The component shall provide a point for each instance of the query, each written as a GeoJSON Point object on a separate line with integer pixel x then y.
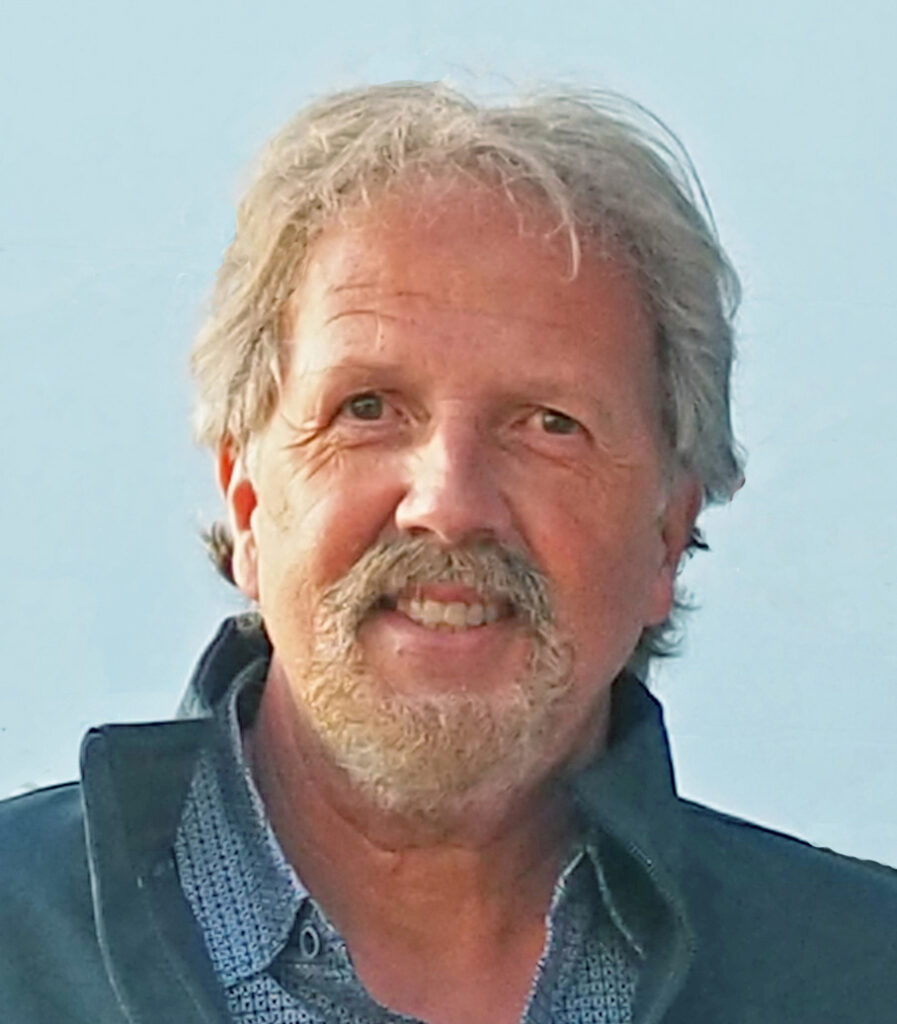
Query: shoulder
{"type": "Point", "coordinates": [752, 857]}
{"type": "Point", "coordinates": [42, 844]}
{"type": "Point", "coordinates": [800, 926]}
{"type": "Point", "coordinates": [50, 962]}
{"type": "Point", "coordinates": [48, 806]}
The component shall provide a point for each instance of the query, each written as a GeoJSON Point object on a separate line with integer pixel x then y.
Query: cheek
{"type": "Point", "coordinates": [312, 532]}
{"type": "Point", "coordinates": [602, 564]}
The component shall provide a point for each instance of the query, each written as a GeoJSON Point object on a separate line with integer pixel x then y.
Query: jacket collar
{"type": "Point", "coordinates": [628, 800]}
{"type": "Point", "coordinates": [240, 640]}
{"type": "Point", "coordinates": [134, 780]}
{"type": "Point", "coordinates": [629, 790]}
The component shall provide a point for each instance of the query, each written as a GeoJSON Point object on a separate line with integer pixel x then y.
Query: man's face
{"type": "Point", "coordinates": [451, 386]}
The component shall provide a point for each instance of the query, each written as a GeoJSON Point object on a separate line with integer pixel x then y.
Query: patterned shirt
{"type": "Point", "coordinates": [279, 959]}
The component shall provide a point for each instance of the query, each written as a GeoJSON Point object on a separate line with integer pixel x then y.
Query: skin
{"type": "Point", "coordinates": [449, 379]}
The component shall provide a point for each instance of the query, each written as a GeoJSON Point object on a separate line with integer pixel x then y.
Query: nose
{"type": "Point", "coordinates": [452, 491]}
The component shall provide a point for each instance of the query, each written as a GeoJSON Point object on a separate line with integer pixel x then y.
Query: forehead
{"type": "Point", "coordinates": [444, 263]}
{"type": "Point", "coordinates": [462, 225]}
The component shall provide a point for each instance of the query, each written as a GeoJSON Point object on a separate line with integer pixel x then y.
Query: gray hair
{"type": "Point", "coordinates": [602, 164]}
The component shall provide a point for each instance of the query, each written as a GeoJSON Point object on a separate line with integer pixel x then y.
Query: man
{"type": "Point", "coordinates": [466, 376]}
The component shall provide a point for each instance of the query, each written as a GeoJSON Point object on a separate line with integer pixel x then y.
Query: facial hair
{"type": "Point", "coordinates": [423, 755]}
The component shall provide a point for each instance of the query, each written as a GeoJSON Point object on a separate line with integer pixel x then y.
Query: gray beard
{"type": "Point", "coordinates": [426, 756]}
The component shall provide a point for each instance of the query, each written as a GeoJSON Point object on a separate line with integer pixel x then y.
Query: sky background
{"type": "Point", "coordinates": [125, 134]}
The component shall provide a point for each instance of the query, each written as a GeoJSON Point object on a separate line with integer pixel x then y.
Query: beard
{"type": "Point", "coordinates": [426, 756]}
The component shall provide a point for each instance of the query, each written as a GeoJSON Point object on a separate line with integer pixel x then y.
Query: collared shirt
{"type": "Point", "coordinates": [280, 960]}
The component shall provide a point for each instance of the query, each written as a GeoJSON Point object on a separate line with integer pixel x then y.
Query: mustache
{"type": "Point", "coordinates": [493, 569]}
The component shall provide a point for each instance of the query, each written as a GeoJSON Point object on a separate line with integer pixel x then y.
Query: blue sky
{"type": "Point", "coordinates": [127, 130]}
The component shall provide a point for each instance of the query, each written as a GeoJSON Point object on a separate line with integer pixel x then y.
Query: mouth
{"type": "Point", "coordinates": [435, 608]}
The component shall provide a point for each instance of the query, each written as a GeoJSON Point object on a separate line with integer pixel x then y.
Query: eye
{"type": "Point", "coordinates": [367, 406]}
{"type": "Point", "coordinates": [554, 422]}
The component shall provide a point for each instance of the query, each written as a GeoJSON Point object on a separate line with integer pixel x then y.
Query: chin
{"type": "Point", "coordinates": [430, 755]}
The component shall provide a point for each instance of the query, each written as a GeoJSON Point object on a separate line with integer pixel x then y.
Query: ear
{"type": "Point", "coordinates": [676, 523]}
{"type": "Point", "coordinates": [240, 497]}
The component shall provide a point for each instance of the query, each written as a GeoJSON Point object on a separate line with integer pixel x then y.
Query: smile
{"type": "Point", "coordinates": [452, 615]}
{"type": "Point", "coordinates": [455, 614]}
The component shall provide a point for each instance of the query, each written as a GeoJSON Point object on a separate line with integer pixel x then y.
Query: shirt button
{"type": "Point", "coordinates": [309, 942]}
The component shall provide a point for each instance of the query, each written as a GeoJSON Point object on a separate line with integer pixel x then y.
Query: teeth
{"type": "Point", "coordinates": [454, 614]}
{"type": "Point", "coordinates": [431, 612]}
{"type": "Point", "coordinates": [475, 615]}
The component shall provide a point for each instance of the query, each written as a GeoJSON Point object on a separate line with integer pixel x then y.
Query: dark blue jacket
{"type": "Point", "coordinates": [739, 925]}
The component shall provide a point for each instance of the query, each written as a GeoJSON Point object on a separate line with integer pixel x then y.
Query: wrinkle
{"type": "Point", "coordinates": [479, 312]}
{"type": "Point", "coordinates": [317, 449]}
{"type": "Point", "coordinates": [440, 305]}
{"type": "Point", "coordinates": [361, 311]}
